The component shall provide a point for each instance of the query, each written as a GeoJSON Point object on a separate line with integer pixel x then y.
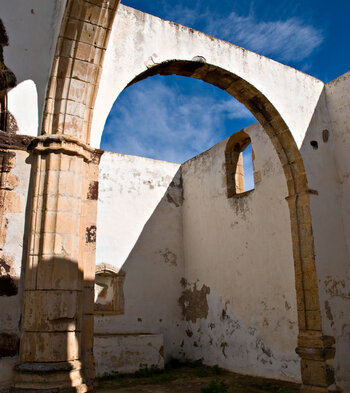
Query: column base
{"type": "Point", "coordinates": [60, 377]}
{"type": "Point", "coordinates": [316, 352]}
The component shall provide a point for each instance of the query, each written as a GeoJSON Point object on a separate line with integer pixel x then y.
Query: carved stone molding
{"type": "Point", "coordinates": [60, 143]}
{"type": "Point", "coordinates": [14, 141]}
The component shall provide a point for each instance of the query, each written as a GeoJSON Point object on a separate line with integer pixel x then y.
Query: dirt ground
{"type": "Point", "coordinates": [192, 378]}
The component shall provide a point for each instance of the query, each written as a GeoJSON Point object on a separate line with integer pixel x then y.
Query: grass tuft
{"type": "Point", "coordinates": [215, 386]}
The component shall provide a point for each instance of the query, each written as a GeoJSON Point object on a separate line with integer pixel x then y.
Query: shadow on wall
{"type": "Point", "coordinates": [151, 264]}
{"type": "Point", "coordinates": [55, 349]}
{"type": "Point", "coordinates": [53, 329]}
{"type": "Point", "coordinates": [9, 341]}
{"type": "Point", "coordinates": [147, 290]}
{"type": "Point", "coordinates": [194, 317]}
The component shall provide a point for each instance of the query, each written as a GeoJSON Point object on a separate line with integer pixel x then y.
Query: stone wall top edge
{"type": "Point", "coordinates": [338, 79]}
{"type": "Point", "coordinates": [133, 156]}
{"type": "Point", "coordinates": [224, 141]}
{"type": "Point", "coordinates": [178, 26]}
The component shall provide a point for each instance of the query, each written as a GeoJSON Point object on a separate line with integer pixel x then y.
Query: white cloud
{"type": "Point", "coordinates": [287, 40]}
{"type": "Point", "coordinates": [182, 14]}
{"type": "Point", "coordinates": [154, 119]}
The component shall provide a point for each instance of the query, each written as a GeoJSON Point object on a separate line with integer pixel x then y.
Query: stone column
{"type": "Point", "coordinates": [51, 344]}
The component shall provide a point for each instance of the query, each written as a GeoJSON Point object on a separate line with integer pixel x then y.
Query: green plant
{"type": "Point", "coordinates": [147, 372]}
{"type": "Point", "coordinates": [202, 371]}
{"type": "Point", "coordinates": [216, 370]}
{"type": "Point", "coordinates": [173, 364]}
{"type": "Point", "coordinates": [215, 386]}
{"type": "Point", "coordinates": [113, 376]}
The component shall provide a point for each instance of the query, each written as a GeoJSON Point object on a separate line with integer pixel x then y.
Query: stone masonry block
{"type": "Point", "coordinates": [67, 223]}
{"type": "Point", "coordinates": [50, 346]}
{"type": "Point", "coordinates": [58, 273]}
{"type": "Point", "coordinates": [313, 320]}
{"type": "Point", "coordinates": [311, 299]}
{"type": "Point", "coordinates": [314, 372]}
{"type": "Point", "coordinates": [88, 299]}
{"type": "Point", "coordinates": [52, 311]}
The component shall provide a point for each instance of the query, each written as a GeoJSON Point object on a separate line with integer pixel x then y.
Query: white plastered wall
{"type": "Point", "coordinates": [241, 249]}
{"type": "Point", "coordinates": [139, 230]}
{"type": "Point", "coordinates": [335, 278]}
{"type": "Point", "coordinates": [32, 27]}
{"type": "Point", "coordinates": [11, 258]}
{"type": "Point", "coordinates": [139, 41]}
{"type": "Point", "coordinates": [251, 324]}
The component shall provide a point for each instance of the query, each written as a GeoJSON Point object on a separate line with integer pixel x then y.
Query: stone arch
{"type": "Point", "coordinates": [77, 66]}
{"type": "Point", "coordinates": [310, 339]}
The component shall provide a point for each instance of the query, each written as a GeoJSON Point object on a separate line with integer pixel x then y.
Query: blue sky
{"type": "Point", "coordinates": [174, 118]}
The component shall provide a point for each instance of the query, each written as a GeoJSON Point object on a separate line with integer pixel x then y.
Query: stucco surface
{"type": "Point", "coordinates": [140, 231]}
{"type": "Point", "coordinates": [240, 248]}
{"type": "Point", "coordinates": [335, 281]}
{"type": "Point", "coordinates": [32, 27]}
{"type": "Point", "coordinates": [11, 260]}
{"type": "Point", "coordinates": [127, 353]}
{"type": "Point", "coordinates": [130, 189]}
{"type": "Point", "coordinates": [231, 301]}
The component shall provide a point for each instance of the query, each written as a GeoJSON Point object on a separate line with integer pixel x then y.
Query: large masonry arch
{"type": "Point", "coordinates": [306, 281]}
{"type": "Point", "coordinates": [260, 84]}
{"type": "Point", "coordinates": [141, 46]}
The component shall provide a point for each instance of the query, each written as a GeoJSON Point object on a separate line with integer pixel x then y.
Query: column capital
{"type": "Point", "coordinates": [315, 346]}
{"type": "Point", "coordinates": [59, 143]}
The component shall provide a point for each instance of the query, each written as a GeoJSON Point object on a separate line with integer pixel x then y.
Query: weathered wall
{"type": "Point", "coordinates": [308, 109]}
{"type": "Point", "coordinates": [32, 27]}
{"type": "Point", "coordinates": [13, 195]}
{"type": "Point", "coordinates": [126, 353]}
{"type": "Point", "coordinates": [140, 231]}
{"type": "Point", "coordinates": [335, 279]}
{"type": "Point", "coordinates": [239, 270]}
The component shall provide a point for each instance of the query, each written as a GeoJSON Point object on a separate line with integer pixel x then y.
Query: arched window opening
{"type": "Point", "coordinates": [109, 293]}
{"type": "Point", "coordinates": [239, 164]}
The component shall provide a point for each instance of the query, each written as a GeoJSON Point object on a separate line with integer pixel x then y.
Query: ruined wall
{"type": "Point", "coordinates": [32, 27]}
{"type": "Point", "coordinates": [239, 297]}
{"type": "Point", "coordinates": [335, 281]}
{"type": "Point", "coordinates": [325, 151]}
{"type": "Point", "coordinates": [139, 231]}
{"type": "Point", "coordinates": [14, 183]}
